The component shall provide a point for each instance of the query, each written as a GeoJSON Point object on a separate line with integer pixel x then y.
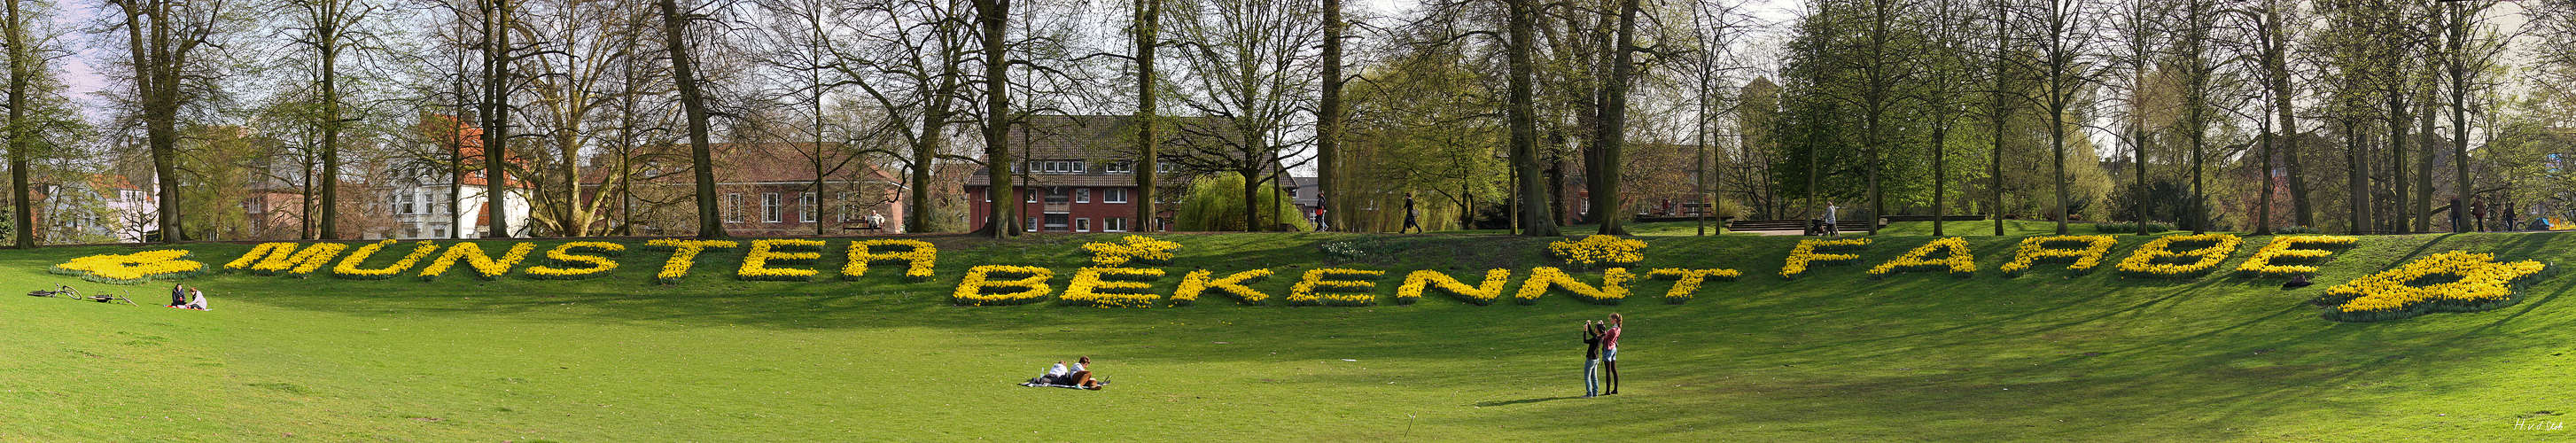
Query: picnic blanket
{"type": "Point", "coordinates": [1048, 385]}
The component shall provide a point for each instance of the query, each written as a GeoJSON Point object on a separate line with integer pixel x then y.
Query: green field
{"type": "Point", "coordinates": [1833, 356]}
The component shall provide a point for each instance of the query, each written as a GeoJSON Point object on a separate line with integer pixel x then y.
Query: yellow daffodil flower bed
{"type": "Point", "coordinates": [484, 265]}
{"type": "Point", "coordinates": [568, 262]}
{"type": "Point", "coordinates": [1614, 286]}
{"type": "Point", "coordinates": [1481, 294]}
{"type": "Point", "coordinates": [996, 285]}
{"type": "Point", "coordinates": [1599, 250]}
{"type": "Point", "coordinates": [2158, 259]}
{"type": "Point", "coordinates": [918, 257]}
{"type": "Point", "coordinates": [1334, 287]}
{"type": "Point", "coordinates": [2302, 252]}
{"type": "Point", "coordinates": [2081, 253]}
{"type": "Point", "coordinates": [1113, 287]}
{"type": "Point", "coordinates": [135, 268]}
{"type": "Point", "coordinates": [2476, 282]}
{"type": "Point", "coordinates": [1810, 252]}
{"type": "Point", "coordinates": [1232, 285]}
{"type": "Point", "coordinates": [684, 254]}
{"type": "Point", "coordinates": [287, 258]}
{"type": "Point", "coordinates": [1136, 248]}
{"type": "Point", "coordinates": [786, 252]}
{"type": "Point", "coordinates": [1686, 281]}
{"type": "Point", "coordinates": [1955, 258]}
{"type": "Point", "coordinates": [352, 267]}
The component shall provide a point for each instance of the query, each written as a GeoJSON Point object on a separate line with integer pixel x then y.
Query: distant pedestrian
{"type": "Point", "coordinates": [1412, 220]}
{"type": "Point", "coordinates": [1833, 215]}
{"type": "Point", "coordinates": [2478, 210]}
{"type": "Point", "coordinates": [2459, 216]}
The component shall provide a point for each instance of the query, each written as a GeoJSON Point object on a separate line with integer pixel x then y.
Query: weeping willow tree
{"type": "Point", "coordinates": [1215, 203]}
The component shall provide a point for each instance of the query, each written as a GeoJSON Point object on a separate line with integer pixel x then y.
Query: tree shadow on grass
{"type": "Point", "coordinates": [1488, 404]}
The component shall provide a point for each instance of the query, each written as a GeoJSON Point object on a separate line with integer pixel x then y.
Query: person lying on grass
{"type": "Point", "coordinates": [1053, 376]}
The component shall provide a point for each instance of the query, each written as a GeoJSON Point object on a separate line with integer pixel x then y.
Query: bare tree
{"type": "Point", "coordinates": [693, 104]}
{"type": "Point", "coordinates": [163, 38]}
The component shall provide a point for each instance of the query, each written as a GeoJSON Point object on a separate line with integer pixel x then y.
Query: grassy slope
{"type": "Point", "coordinates": [1833, 356]}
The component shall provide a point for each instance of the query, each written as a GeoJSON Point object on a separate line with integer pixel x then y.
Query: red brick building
{"type": "Point", "coordinates": [1077, 174]}
{"type": "Point", "coordinates": [767, 190]}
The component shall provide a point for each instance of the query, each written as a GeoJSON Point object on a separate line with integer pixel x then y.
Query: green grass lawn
{"type": "Point", "coordinates": [1833, 356]}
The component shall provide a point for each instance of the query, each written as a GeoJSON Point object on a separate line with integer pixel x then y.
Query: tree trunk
{"type": "Point", "coordinates": [2459, 27]}
{"type": "Point", "coordinates": [993, 16]}
{"type": "Point", "coordinates": [327, 40]}
{"type": "Point", "coordinates": [1522, 116]}
{"type": "Point", "coordinates": [1148, 18]}
{"type": "Point", "coordinates": [2397, 122]}
{"type": "Point", "coordinates": [1328, 115]}
{"type": "Point", "coordinates": [2356, 187]}
{"type": "Point", "coordinates": [693, 106]}
{"type": "Point", "coordinates": [23, 218]}
{"type": "Point", "coordinates": [1614, 126]}
{"type": "Point", "coordinates": [2275, 61]}
{"type": "Point", "coordinates": [496, 127]}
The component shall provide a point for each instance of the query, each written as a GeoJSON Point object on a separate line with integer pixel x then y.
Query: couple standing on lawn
{"type": "Point", "coordinates": [1601, 354]}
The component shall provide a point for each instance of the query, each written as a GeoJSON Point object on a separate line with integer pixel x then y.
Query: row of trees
{"type": "Point", "coordinates": [2208, 108]}
{"type": "Point", "coordinates": [1526, 114]}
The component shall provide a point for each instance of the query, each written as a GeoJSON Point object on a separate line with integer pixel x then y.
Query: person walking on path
{"type": "Point", "coordinates": [1592, 331]}
{"type": "Point", "coordinates": [1411, 217]}
{"type": "Point", "coordinates": [1610, 355]}
{"type": "Point", "coordinates": [1833, 227]}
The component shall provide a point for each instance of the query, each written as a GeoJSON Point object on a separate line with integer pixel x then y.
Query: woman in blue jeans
{"type": "Point", "coordinates": [1592, 332]}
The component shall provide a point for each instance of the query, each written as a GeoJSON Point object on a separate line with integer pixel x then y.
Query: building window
{"type": "Point", "coordinates": [805, 207]}
{"type": "Point", "coordinates": [769, 207]}
{"type": "Point", "coordinates": [438, 232]}
{"type": "Point", "coordinates": [1113, 224]}
{"type": "Point", "coordinates": [1119, 167]}
{"type": "Point", "coordinates": [1055, 195]}
{"type": "Point", "coordinates": [988, 195]}
{"type": "Point", "coordinates": [733, 208]}
{"type": "Point", "coordinates": [1082, 195]}
{"type": "Point", "coordinates": [1078, 165]}
{"type": "Point", "coordinates": [1031, 196]}
{"type": "Point", "coordinates": [1033, 224]}
{"type": "Point", "coordinates": [1113, 195]}
{"type": "Point", "coordinates": [1082, 225]}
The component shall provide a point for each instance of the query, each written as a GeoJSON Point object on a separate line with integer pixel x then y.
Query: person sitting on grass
{"type": "Point", "coordinates": [178, 296]}
{"type": "Point", "coordinates": [1081, 376]}
{"type": "Point", "coordinates": [197, 300]}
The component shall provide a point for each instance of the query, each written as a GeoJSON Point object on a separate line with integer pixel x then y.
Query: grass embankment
{"type": "Point", "coordinates": [1833, 356]}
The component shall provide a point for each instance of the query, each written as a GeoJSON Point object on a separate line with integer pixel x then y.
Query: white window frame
{"type": "Point", "coordinates": [1113, 195]}
{"type": "Point", "coordinates": [1081, 195]}
{"type": "Point", "coordinates": [1082, 224]}
{"type": "Point", "coordinates": [769, 207]}
{"type": "Point", "coordinates": [1032, 226]}
{"type": "Point", "coordinates": [733, 208]}
{"type": "Point", "coordinates": [1113, 224]}
{"type": "Point", "coordinates": [806, 205]}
